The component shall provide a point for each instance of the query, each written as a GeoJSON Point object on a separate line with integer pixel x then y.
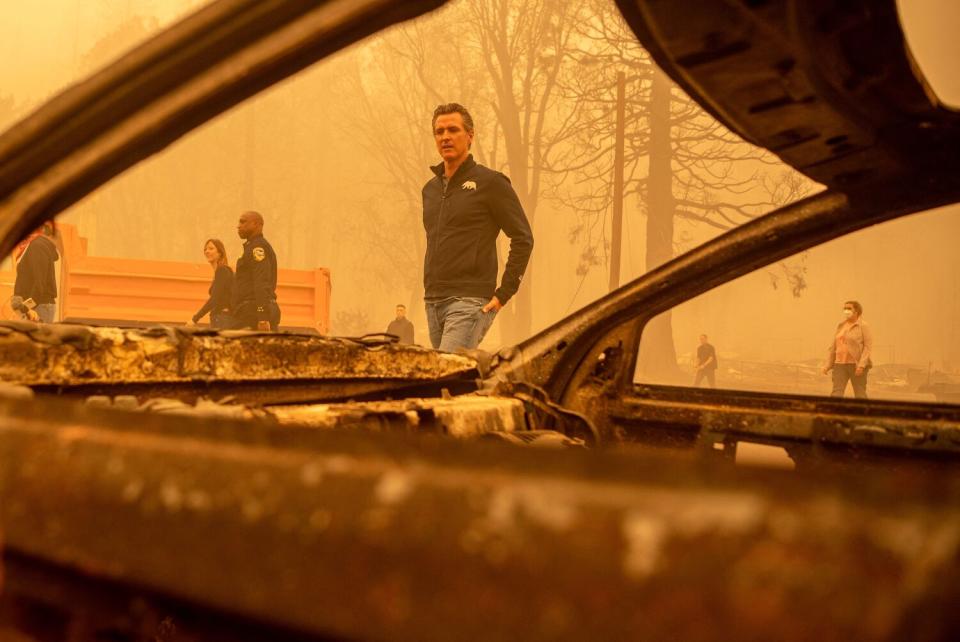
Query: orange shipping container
{"type": "Point", "coordinates": [119, 291]}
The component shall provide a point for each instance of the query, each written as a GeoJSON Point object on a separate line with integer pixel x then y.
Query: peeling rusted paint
{"type": "Point", "coordinates": [463, 416]}
{"type": "Point", "coordinates": [375, 538]}
{"type": "Point", "coordinates": [686, 417]}
{"type": "Point", "coordinates": [371, 538]}
{"type": "Point", "coordinates": [74, 355]}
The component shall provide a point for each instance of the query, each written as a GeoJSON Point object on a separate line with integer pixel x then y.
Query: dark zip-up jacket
{"type": "Point", "coordinates": [221, 293]}
{"type": "Point", "coordinates": [36, 277]}
{"type": "Point", "coordinates": [402, 328]}
{"type": "Point", "coordinates": [256, 277]}
{"type": "Point", "coordinates": [462, 225]}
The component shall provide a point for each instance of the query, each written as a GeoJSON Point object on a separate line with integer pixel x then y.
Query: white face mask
{"type": "Point", "coordinates": [847, 313]}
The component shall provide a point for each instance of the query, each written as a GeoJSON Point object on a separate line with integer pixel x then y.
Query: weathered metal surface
{"type": "Point", "coordinates": [828, 85]}
{"type": "Point", "coordinates": [377, 537]}
{"type": "Point", "coordinates": [260, 393]}
{"type": "Point", "coordinates": [682, 417]}
{"type": "Point", "coordinates": [77, 355]}
{"type": "Point", "coordinates": [382, 537]}
{"type": "Point", "coordinates": [510, 420]}
{"type": "Point", "coordinates": [163, 405]}
{"type": "Point", "coordinates": [463, 416]}
{"type": "Point", "coordinates": [908, 166]}
{"type": "Point", "coordinates": [590, 357]}
{"type": "Point", "coordinates": [42, 602]}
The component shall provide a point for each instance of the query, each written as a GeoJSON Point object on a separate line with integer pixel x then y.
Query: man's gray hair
{"type": "Point", "coordinates": [453, 108]}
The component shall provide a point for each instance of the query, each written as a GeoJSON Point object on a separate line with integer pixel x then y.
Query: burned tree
{"type": "Point", "coordinates": [679, 164]}
{"type": "Point", "coordinates": [505, 67]}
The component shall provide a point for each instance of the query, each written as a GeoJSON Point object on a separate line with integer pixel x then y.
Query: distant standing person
{"type": "Point", "coordinates": [255, 292]}
{"type": "Point", "coordinates": [221, 290]}
{"type": "Point", "coordinates": [35, 289]}
{"type": "Point", "coordinates": [706, 363]}
{"type": "Point", "coordinates": [465, 206]}
{"type": "Point", "coordinates": [849, 352]}
{"type": "Point", "coordinates": [401, 326]}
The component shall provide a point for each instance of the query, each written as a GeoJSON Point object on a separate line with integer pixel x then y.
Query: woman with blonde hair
{"type": "Point", "coordinates": [221, 290]}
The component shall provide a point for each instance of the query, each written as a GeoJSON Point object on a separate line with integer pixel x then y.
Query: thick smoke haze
{"type": "Point", "coordinates": [335, 157]}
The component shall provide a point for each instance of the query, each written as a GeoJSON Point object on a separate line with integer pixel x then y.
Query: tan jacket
{"type": "Point", "coordinates": [859, 341]}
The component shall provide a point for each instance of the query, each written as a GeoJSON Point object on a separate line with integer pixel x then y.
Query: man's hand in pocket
{"type": "Point", "coordinates": [494, 304]}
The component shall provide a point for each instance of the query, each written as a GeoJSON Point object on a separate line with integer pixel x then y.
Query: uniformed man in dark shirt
{"type": "Point", "coordinates": [255, 295]}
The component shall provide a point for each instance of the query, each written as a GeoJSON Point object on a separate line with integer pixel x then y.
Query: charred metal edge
{"type": "Point", "coordinates": [830, 87]}
{"type": "Point", "coordinates": [565, 352]}
{"type": "Point", "coordinates": [200, 67]}
{"type": "Point", "coordinates": [911, 431]}
{"type": "Point", "coordinates": [91, 608]}
{"type": "Point", "coordinates": [357, 535]}
{"type": "Point", "coordinates": [271, 392]}
{"type": "Point", "coordinates": [55, 355]}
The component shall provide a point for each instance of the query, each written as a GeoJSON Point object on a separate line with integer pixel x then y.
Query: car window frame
{"type": "Point", "coordinates": [208, 62]}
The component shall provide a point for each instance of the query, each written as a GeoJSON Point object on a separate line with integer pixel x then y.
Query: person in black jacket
{"type": "Point", "coordinates": [221, 290]}
{"type": "Point", "coordinates": [255, 293]}
{"type": "Point", "coordinates": [401, 326]}
{"type": "Point", "coordinates": [465, 207]}
{"type": "Point", "coordinates": [706, 366]}
{"type": "Point", "coordinates": [35, 290]}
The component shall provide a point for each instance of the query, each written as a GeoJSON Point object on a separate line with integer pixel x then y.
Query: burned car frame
{"type": "Point", "coordinates": [256, 524]}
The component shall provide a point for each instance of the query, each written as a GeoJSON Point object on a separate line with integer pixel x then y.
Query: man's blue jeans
{"type": "Point", "coordinates": [46, 312]}
{"type": "Point", "coordinates": [458, 322]}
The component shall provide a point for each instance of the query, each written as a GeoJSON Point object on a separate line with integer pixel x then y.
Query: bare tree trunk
{"type": "Point", "coordinates": [658, 357]}
{"type": "Point", "coordinates": [516, 319]}
{"type": "Point", "coordinates": [616, 228]}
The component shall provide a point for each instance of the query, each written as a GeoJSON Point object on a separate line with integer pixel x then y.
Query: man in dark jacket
{"type": "Point", "coordinates": [255, 294]}
{"type": "Point", "coordinates": [465, 207]}
{"type": "Point", "coordinates": [35, 290]}
{"type": "Point", "coordinates": [706, 365]}
{"type": "Point", "coordinates": [401, 326]}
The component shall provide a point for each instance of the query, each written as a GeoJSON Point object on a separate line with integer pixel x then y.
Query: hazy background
{"type": "Point", "coordinates": [335, 157]}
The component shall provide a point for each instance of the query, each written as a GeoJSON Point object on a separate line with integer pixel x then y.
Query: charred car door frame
{"type": "Point", "coordinates": [858, 118]}
{"type": "Point", "coordinates": [354, 535]}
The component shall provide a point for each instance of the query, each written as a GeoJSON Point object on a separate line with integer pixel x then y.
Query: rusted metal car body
{"type": "Point", "coordinates": [180, 484]}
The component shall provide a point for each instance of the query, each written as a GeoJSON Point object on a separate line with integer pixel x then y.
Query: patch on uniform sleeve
{"type": "Point", "coordinates": [259, 254]}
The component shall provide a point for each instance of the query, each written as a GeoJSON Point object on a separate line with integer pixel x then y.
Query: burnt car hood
{"type": "Point", "coordinates": [339, 534]}
{"type": "Point", "coordinates": [246, 367]}
{"type": "Point", "coordinates": [828, 86]}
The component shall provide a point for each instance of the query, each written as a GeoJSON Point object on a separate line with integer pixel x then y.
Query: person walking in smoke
{"type": "Point", "coordinates": [221, 290]}
{"type": "Point", "coordinates": [255, 295]}
{"type": "Point", "coordinates": [465, 206]}
{"type": "Point", "coordinates": [849, 352]}
{"type": "Point", "coordinates": [706, 366]}
{"type": "Point", "coordinates": [35, 289]}
{"type": "Point", "coordinates": [401, 326]}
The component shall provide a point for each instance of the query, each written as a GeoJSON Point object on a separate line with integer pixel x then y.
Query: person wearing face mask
{"type": "Point", "coordinates": [849, 353]}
